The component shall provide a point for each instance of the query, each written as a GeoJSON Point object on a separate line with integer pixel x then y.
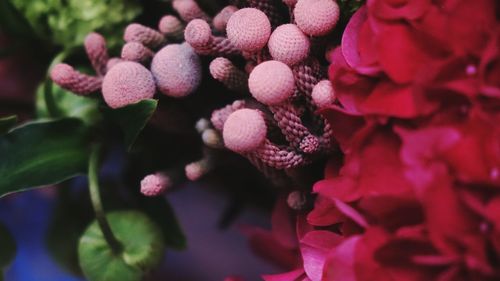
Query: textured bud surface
{"type": "Point", "coordinates": [177, 70]}
{"type": "Point", "coordinates": [316, 17]}
{"type": "Point", "coordinates": [244, 130]}
{"type": "Point", "coordinates": [170, 25]}
{"type": "Point", "coordinates": [288, 44]}
{"type": "Point", "coordinates": [154, 184]}
{"type": "Point", "coordinates": [127, 83]}
{"type": "Point", "coordinates": [271, 82]}
{"type": "Point", "coordinates": [323, 94]}
{"type": "Point", "coordinates": [197, 33]}
{"type": "Point", "coordinates": [248, 29]}
{"type": "Point", "coordinates": [220, 20]}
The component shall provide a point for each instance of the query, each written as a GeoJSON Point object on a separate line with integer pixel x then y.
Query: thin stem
{"type": "Point", "coordinates": [95, 197]}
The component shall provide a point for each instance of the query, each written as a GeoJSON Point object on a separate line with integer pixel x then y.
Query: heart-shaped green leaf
{"type": "Point", "coordinates": [7, 246]}
{"type": "Point", "coordinates": [142, 248]}
{"type": "Point", "coordinates": [132, 118]}
{"type": "Point", "coordinates": [42, 153]}
{"type": "Point", "coordinates": [6, 123]}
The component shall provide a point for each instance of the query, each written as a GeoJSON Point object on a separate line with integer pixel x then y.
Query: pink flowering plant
{"type": "Point", "coordinates": [373, 126]}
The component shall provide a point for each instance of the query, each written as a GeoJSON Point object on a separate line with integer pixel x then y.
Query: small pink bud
{"type": "Point", "coordinates": [95, 46]}
{"type": "Point", "coordinates": [323, 94]}
{"type": "Point", "coordinates": [316, 17]}
{"type": "Point", "coordinates": [171, 26]}
{"type": "Point", "coordinates": [220, 20]}
{"type": "Point", "coordinates": [248, 29]}
{"type": "Point", "coordinates": [271, 82]}
{"type": "Point", "coordinates": [177, 70]}
{"type": "Point", "coordinates": [189, 10]}
{"type": "Point", "coordinates": [288, 44]}
{"type": "Point", "coordinates": [244, 130]}
{"type": "Point", "coordinates": [70, 79]}
{"type": "Point", "coordinates": [142, 34]}
{"type": "Point", "coordinates": [134, 51]}
{"type": "Point", "coordinates": [194, 171]}
{"type": "Point", "coordinates": [155, 184]}
{"type": "Point", "coordinates": [198, 33]}
{"type": "Point", "coordinates": [127, 83]}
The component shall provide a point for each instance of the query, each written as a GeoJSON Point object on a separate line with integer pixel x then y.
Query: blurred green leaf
{"type": "Point", "coordinates": [142, 243]}
{"type": "Point", "coordinates": [132, 119]}
{"type": "Point", "coordinates": [42, 153]}
{"type": "Point", "coordinates": [67, 22]}
{"type": "Point", "coordinates": [162, 213]}
{"type": "Point", "coordinates": [7, 247]}
{"type": "Point", "coordinates": [63, 103]}
{"type": "Point", "coordinates": [6, 123]}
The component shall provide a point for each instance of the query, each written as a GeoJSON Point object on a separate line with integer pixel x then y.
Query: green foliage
{"type": "Point", "coordinates": [132, 118]}
{"type": "Point", "coordinates": [142, 243]}
{"type": "Point", "coordinates": [6, 123]}
{"type": "Point", "coordinates": [7, 247]}
{"type": "Point", "coordinates": [67, 22]}
{"type": "Point", "coordinates": [42, 153]}
{"type": "Point", "coordinates": [65, 104]}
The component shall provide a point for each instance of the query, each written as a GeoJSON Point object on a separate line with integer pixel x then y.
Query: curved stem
{"type": "Point", "coordinates": [95, 197]}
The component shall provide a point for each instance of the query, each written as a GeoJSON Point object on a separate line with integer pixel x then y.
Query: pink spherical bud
{"type": "Point", "coordinates": [323, 94]}
{"type": "Point", "coordinates": [244, 130]}
{"type": "Point", "coordinates": [155, 184]}
{"type": "Point", "coordinates": [316, 17]}
{"type": "Point", "coordinates": [194, 171]}
{"type": "Point", "coordinates": [288, 44]}
{"type": "Point", "coordinates": [170, 25]}
{"type": "Point", "coordinates": [147, 36]}
{"type": "Point", "coordinates": [127, 83]}
{"type": "Point", "coordinates": [271, 82]}
{"type": "Point", "coordinates": [95, 46]}
{"type": "Point", "coordinates": [177, 70]}
{"type": "Point", "coordinates": [189, 10]}
{"type": "Point", "coordinates": [198, 33]}
{"type": "Point", "coordinates": [220, 20]}
{"type": "Point", "coordinates": [248, 29]}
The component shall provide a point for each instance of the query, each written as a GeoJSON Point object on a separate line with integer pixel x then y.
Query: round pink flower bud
{"type": "Point", "coordinates": [127, 83]}
{"type": "Point", "coordinates": [198, 33]}
{"type": "Point", "coordinates": [271, 82]}
{"type": "Point", "coordinates": [248, 29]}
{"type": "Point", "coordinates": [177, 70]}
{"type": "Point", "coordinates": [220, 20]}
{"type": "Point", "coordinates": [170, 25]}
{"type": "Point", "coordinates": [155, 184]}
{"type": "Point", "coordinates": [244, 130]}
{"type": "Point", "coordinates": [288, 44]}
{"type": "Point", "coordinates": [323, 94]}
{"type": "Point", "coordinates": [316, 17]}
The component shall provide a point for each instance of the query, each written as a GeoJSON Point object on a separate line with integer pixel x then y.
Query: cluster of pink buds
{"type": "Point", "coordinates": [276, 126]}
{"type": "Point", "coordinates": [280, 86]}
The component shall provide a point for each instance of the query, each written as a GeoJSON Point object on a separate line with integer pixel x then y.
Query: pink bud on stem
{"type": "Point", "coordinates": [245, 132]}
{"type": "Point", "coordinates": [142, 34]}
{"type": "Point", "coordinates": [220, 20]}
{"type": "Point", "coordinates": [189, 10]}
{"type": "Point", "coordinates": [95, 46]}
{"type": "Point", "coordinates": [288, 44]}
{"type": "Point", "coordinates": [134, 51]}
{"type": "Point", "coordinates": [323, 94]}
{"type": "Point", "coordinates": [272, 83]}
{"type": "Point", "coordinates": [316, 17]}
{"type": "Point", "coordinates": [72, 80]}
{"type": "Point", "coordinates": [223, 70]}
{"type": "Point", "coordinates": [171, 26]}
{"type": "Point", "coordinates": [155, 184]}
{"type": "Point", "coordinates": [248, 29]}
{"type": "Point", "coordinates": [199, 35]}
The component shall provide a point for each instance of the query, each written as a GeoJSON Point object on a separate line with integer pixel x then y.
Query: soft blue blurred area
{"type": "Point", "coordinates": [212, 253]}
{"type": "Point", "coordinates": [27, 216]}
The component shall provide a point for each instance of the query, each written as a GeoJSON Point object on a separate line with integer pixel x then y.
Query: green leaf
{"type": "Point", "coordinates": [162, 213]}
{"type": "Point", "coordinates": [132, 119]}
{"type": "Point", "coordinates": [7, 247]}
{"type": "Point", "coordinates": [54, 101]}
{"type": "Point", "coordinates": [6, 123]}
{"type": "Point", "coordinates": [142, 243]}
{"type": "Point", "coordinates": [42, 153]}
{"type": "Point", "coordinates": [13, 22]}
